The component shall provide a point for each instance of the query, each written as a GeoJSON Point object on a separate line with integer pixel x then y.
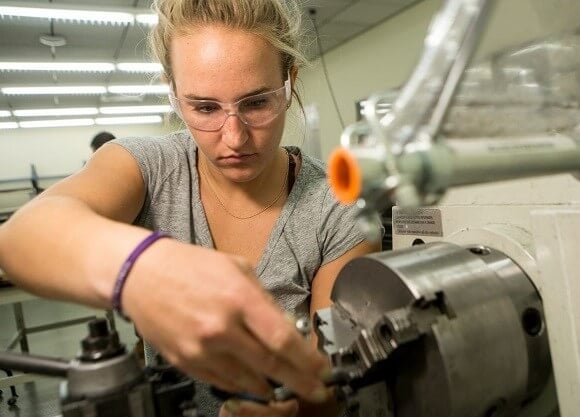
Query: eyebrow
{"type": "Point", "coordinates": [251, 93]}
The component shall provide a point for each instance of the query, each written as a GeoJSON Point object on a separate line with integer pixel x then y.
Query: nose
{"type": "Point", "coordinates": [234, 132]}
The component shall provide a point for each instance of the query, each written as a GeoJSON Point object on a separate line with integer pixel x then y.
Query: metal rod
{"type": "Point", "coordinates": [447, 165]}
{"type": "Point", "coordinates": [479, 12]}
{"type": "Point", "coordinates": [21, 326]}
{"type": "Point", "coordinates": [34, 364]}
{"type": "Point", "coordinates": [14, 341]}
{"type": "Point", "coordinates": [111, 319]}
{"type": "Point", "coordinates": [59, 324]}
{"type": "Point", "coordinates": [481, 168]}
{"type": "Point", "coordinates": [29, 179]}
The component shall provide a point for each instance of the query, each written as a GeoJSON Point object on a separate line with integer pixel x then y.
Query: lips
{"type": "Point", "coordinates": [237, 158]}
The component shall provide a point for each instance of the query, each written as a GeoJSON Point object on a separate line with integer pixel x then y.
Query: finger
{"type": "Point", "coordinates": [248, 350]}
{"type": "Point", "coordinates": [202, 371]}
{"type": "Point", "coordinates": [301, 364]}
{"type": "Point", "coordinates": [229, 374]}
{"type": "Point", "coordinates": [290, 360]}
{"type": "Point", "coordinates": [248, 409]}
{"type": "Point", "coordinates": [245, 378]}
{"type": "Point", "coordinates": [212, 378]}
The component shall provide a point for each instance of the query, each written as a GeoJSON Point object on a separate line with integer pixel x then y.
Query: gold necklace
{"type": "Point", "coordinates": [205, 174]}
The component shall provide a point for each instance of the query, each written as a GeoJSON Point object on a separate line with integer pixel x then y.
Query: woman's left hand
{"type": "Point", "coordinates": [237, 408]}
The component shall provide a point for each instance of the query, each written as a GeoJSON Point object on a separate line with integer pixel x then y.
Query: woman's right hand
{"type": "Point", "coordinates": [207, 314]}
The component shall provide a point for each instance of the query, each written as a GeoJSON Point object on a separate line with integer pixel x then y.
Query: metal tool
{"type": "Point", "coordinates": [105, 380]}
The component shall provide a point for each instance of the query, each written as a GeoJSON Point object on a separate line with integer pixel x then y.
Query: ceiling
{"type": "Point", "coordinates": [337, 21]}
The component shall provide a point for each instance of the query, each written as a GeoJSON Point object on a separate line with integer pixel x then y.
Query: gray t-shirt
{"type": "Point", "coordinates": [312, 230]}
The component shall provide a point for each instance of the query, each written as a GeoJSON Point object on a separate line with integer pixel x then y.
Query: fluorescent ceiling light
{"type": "Point", "coordinates": [5, 113]}
{"type": "Point", "coordinates": [88, 89]}
{"type": "Point", "coordinates": [58, 66]}
{"type": "Point", "coordinates": [135, 109]}
{"type": "Point", "coordinates": [8, 125]}
{"type": "Point", "coordinates": [139, 89]}
{"type": "Point", "coordinates": [149, 19]}
{"type": "Point", "coordinates": [77, 111]}
{"type": "Point", "coordinates": [57, 123]}
{"type": "Point", "coordinates": [79, 15]}
{"type": "Point", "coordinates": [128, 120]}
{"type": "Point", "coordinates": [55, 90]}
{"type": "Point", "coordinates": [147, 67]}
{"type": "Point", "coordinates": [139, 67]}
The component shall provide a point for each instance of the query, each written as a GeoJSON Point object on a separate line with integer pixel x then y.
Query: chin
{"type": "Point", "coordinates": [240, 175]}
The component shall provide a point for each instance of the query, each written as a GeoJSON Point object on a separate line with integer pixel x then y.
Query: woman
{"type": "Point", "coordinates": [224, 183]}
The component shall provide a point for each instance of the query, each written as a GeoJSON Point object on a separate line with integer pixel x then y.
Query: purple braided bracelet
{"type": "Point", "coordinates": [126, 268]}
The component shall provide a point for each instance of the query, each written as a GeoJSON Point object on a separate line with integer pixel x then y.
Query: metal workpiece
{"type": "Point", "coordinates": [134, 402]}
{"type": "Point", "coordinates": [101, 343]}
{"type": "Point", "coordinates": [106, 377]}
{"type": "Point", "coordinates": [160, 393]}
{"type": "Point", "coordinates": [457, 162]}
{"type": "Point", "coordinates": [106, 381]}
{"type": "Point", "coordinates": [449, 331]}
{"type": "Point", "coordinates": [489, 164]}
{"type": "Point", "coordinates": [34, 364]}
{"type": "Point", "coordinates": [102, 366]}
{"type": "Point", "coordinates": [87, 379]}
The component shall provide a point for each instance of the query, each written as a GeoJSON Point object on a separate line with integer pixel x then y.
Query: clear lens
{"type": "Point", "coordinates": [262, 108]}
{"type": "Point", "coordinates": [254, 111]}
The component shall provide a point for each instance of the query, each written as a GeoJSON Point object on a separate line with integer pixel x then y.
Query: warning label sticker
{"type": "Point", "coordinates": [417, 221]}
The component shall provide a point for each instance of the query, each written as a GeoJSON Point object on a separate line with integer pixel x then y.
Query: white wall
{"type": "Point", "coordinates": [56, 151]}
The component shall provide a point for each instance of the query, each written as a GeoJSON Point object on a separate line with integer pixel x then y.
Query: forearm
{"type": "Point", "coordinates": [58, 247]}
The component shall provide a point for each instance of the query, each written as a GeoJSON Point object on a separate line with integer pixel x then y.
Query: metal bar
{"type": "Point", "coordinates": [449, 44]}
{"type": "Point", "coordinates": [14, 341]}
{"type": "Point", "coordinates": [29, 179]}
{"type": "Point", "coordinates": [464, 54]}
{"type": "Point", "coordinates": [111, 319]}
{"type": "Point", "coordinates": [58, 324]}
{"type": "Point", "coordinates": [34, 364]}
{"type": "Point", "coordinates": [481, 168]}
{"type": "Point", "coordinates": [15, 190]}
{"type": "Point", "coordinates": [7, 181]}
{"type": "Point", "coordinates": [21, 326]}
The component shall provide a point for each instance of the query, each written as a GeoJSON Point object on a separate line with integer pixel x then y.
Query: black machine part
{"type": "Point", "coordinates": [105, 380]}
{"type": "Point", "coordinates": [448, 331]}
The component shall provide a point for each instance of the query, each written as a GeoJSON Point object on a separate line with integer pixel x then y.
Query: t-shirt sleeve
{"type": "Point", "coordinates": [339, 231]}
{"type": "Point", "coordinates": [148, 154]}
{"type": "Point", "coordinates": [157, 158]}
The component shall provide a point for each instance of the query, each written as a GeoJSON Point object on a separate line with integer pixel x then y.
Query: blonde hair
{"type": "Point", "coordinates": [276, 21]}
